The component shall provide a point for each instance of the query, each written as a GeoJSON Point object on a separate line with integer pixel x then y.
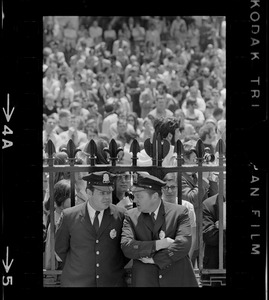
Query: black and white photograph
{"type": "Point", "coordinates": [115, 153]}
{"type": "Point", "coordinates": [135, 91]}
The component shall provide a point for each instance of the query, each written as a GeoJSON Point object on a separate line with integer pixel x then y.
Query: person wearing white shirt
{"type": "Point", "coordinates": [193, 115]}
{"type": "Point", "coordinates": [96, 32]}
{"type": "Point", "coordinates": [92, 257]}
{"type": "Point", "coordinates": [73, 133]}
{"type": "Point", "coordinates": [110, 118]}
{"type": "Point", "coordinates": [49, 133]}
{"type": "Point", "coordinates": [169, 194]}
{"type": "Point", "coordinates": [193, 94]}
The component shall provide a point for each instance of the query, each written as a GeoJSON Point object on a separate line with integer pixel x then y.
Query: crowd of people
{"type": "Point", "coordinates": [126, 78]}
{"type": "Point", "coordinates": [145, 70]}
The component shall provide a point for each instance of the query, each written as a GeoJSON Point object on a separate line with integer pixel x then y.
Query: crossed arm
{"type": "Point", "coordinates": [160, 252]}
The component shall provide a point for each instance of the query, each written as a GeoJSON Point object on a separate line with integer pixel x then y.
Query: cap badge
{"type": "Point", "coordinates": [106, 178]}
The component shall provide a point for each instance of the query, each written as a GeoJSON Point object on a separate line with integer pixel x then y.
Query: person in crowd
{"type": "Point", "coordinates": [77, 136]}
{"type": "Point", "coordinates": [133, 120]}
{"type": "Point", "coordinates": [122, 132]}
{"type": "Point", "coordinates": [207, 94]}
{"type": "Point", "coordinates": [218, 114]}
{"type": "Point", "coordinates": [56, 56]}
{"type": "Point", "coordinates": [153, 233]}
{"type": "Point", "coordinates": [97, 225]}
{"type": "Point", "coordinates": [193, 115]}
{"type": "Point", "coordinates": [64, 91]}
{"type": "Point", "coordinates": [120, 43]}
{"type": "Point", "coordinates": [123, 58]}
{"type": "Point", "coordinates": [161, 110]}
{"type": "Point", "coordinates": [178, 29]}
{"type": "Point", "coordinates": [49, 133]}
{"type": "Point", "coordinates": [205, 33]}
{"type": "Point", "coordinates": [221, 128]}
{"type": "Point", "coordinates": [193, 34]}
{"type": "Point", "coordinates": [77, 110]}
{"type": "Point", "coordinates": [133, 90]}
{"type": "Point", "coordinates": [85, 41]}
{"type": "Point", "coordinates": [110, 36]}
{"type": "Point", "coordinates": [110, 118]}
{"type": "Point", "coordinates": [169, 194]}
{"type": "Point", "coordinates": [210, 208]}
{"type": "Point", "coordinates": [94, 115]}
{"type": "Point", "coordinates": [62, 194]}
{"type": "Point", "coordinates": [194, 95]}
{"type": "Point", "coordinates": [153, 35]}
{"type": "Point", "coordinates": [49, 107]}
{"type": "Point", "coordinates": [92, 134]}
{"type": "Point", "coordinates": [204, 79]}
{"type": "Point", "coordinates": [120, 102]}
{"type": "Point", "coordinates": [122, 185]}
{"type": "Point", "coordinates": [138, 33]}
{"type": "Point", "coordinates": [125, 32]}
{"type": "Point", "coordinates": [147, 130]}
{"type": "Point", "coordinates": [207, 134]}
{"type": "Point", "coordinates": [96, 32]}
{"type": "Point", "coordinates": [190, 188]}
{"type": "Point", "coordinates": [64, 121]}
{"type": "Point", "coordinates": [147, 98]}
{"type": "Point", "coordinates": [60, 158]}
{"type": "Point", "coordinates": [163, 91]}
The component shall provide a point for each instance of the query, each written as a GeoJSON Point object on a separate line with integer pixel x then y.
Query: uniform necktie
{"type": "Point", "coordinates": [96, 221]}
{"type": "Point", "coordinates": [153, 217]}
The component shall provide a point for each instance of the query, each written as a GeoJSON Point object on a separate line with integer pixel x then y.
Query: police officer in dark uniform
{"type": "Point", "coordinates": [157, 236]}
{"type": "Point", "coordinates": [88, 238]}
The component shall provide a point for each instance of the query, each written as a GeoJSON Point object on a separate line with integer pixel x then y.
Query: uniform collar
{"type": "Point", "coordinates": [92, 211]}
{"type": "Point", "coordinates": [157, 210]}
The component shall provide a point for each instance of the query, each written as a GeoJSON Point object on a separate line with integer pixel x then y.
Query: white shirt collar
{"type": "Point", "coordinates": [92, 211]}
{"type": "Point", "coordinates": [157, 210]}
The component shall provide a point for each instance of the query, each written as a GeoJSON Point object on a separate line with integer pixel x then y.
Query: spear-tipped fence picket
{"type": "Point", "coordinates": [157, 149]}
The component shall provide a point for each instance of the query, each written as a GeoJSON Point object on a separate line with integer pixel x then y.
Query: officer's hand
{"type": "Point", "coordinates": [147, 260]}
{"type": "Point", "coordinates": [164, 243]}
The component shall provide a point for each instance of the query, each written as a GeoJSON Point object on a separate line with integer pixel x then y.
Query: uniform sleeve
{"type": "Point", "coordinates": [181, 246]}
{"type": "Point", "coordinates": [131, 247]}
{"type": "Point", "coordinates": [62, 238]}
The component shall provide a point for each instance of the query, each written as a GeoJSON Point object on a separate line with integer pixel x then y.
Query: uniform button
{"type": "Point", "coordinates": [97, 276]}
{"type": "Point", "coordinates": [97, 252]}
{"type": "Point", "coordinates": [160, 276]}
{"type": "Point", "coordinates": [97, 241]}
{"type": "Point", "coordinates": [97, 265]}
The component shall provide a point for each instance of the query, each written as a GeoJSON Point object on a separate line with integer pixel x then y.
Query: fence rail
{"type": "Point", "coordinates": [157, 150]}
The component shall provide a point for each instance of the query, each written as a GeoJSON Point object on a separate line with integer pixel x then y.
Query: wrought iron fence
{"type": "Point", "coordinates": [157, 150]}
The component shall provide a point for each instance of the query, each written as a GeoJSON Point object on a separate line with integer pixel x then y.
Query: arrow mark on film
{"type": "Point", "coordinates": [7, 114]}
{"type": "Point", "coordinates": [6, 265]}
